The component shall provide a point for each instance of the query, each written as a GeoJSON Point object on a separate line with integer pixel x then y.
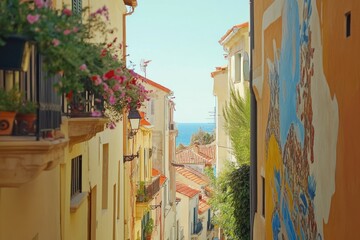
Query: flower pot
{"type": "Point", "coordinates": [26, 123]}
{"type": "Point", "coordinates": [148, 237]}
{"type": "Point", "coordinates": [6, 122]}
{"type": "Point", "coordinates": [15, 54]}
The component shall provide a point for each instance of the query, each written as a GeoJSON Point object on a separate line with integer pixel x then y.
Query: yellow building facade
{"type": "Point", "coordinates": [72, 186]}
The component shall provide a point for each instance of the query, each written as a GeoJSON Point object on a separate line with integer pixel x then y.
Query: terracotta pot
{"type": "Point", "coordinates": [26, 123]}
{"type": "Point", "coordinates": [6, 122]}
{"type": "Point", "coordinates": [148, 237]}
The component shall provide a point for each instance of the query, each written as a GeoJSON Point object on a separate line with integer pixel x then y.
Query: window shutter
{"type": "Point", "coordinates": [77, 6]}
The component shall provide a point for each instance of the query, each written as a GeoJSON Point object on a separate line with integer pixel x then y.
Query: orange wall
{"type": "Point", "coordinates": [341, 67]}
{"type": "Point", "coordinates": [306, 79]}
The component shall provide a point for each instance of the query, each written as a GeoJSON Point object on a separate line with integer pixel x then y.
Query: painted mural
{"type": "Point", "coordinates": [302, 128]}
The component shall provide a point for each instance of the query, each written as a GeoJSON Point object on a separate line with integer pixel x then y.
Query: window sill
{"type": "Point", "coordinates": [76, 201]}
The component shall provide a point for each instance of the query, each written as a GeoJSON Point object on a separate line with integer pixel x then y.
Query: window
{"type": "Point", "coordinates": [238, 68]}
{"type": "Point", "coordinates": [348, 24]}
{"type": "Point", "coordinates": [77, 6]}
{"type": "Point", "coordinates": [76, 176]}
{"type": "Point", "coordinates": [105, 176]}
{"type": "Point", "coordinates": [263, 196]}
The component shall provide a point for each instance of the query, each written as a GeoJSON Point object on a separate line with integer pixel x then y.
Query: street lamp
{"type": "Point", "coordinates": [134, 118]}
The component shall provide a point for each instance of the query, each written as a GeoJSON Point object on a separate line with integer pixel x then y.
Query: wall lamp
{"type": "Point", "coordinates": [153, 207]}
{"type": "Point", "coordinates": [134, 118]}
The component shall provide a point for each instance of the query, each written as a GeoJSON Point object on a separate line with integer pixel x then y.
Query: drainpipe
{"type": "Point", "coordinates": [253, 130]}
{"type": "Point", "coordinates": [124, 31]}
{"type": "Point", "coordinates": [125, 139]}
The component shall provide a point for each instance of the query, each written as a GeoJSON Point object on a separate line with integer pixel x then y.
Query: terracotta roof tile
{"type": "Point", "coordinates": [154, 84]}
{"type": "Point", "coordinates": [218, 70]}
{"type": "Point", "coordinates": [203, 204]}
{"type": "Point", "coordinates": [197, 154]}
{"type": "Point", "coordinates": [193, 175]}
{"type": "Point", "coordinates": [186, 190]}
{"type": "Point", "coordinates": [156, 173]}
{"type": "Point", "coordinates": [242, 25]}
{"type": "Point", "coordinates": [143, 121]}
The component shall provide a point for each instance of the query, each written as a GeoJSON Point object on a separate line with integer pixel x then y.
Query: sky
{"type": "Point", "coordinates": [181, 40]}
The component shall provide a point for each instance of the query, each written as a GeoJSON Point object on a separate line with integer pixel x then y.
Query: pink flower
{"type": "Point", "coordinates": [96, 79]}
{"type": "Point", "coordinates": [112, 100]}
{"type": "Point", "coordinates": [67, 12]}
{"type": "Point", "coordinates": [67, 32]}
{"type": "Point", "coordinates": [83, 67]}
{"type": "Point", "coordinates": [116, 87]}
{"type": "Point", "coordinates": [55, 42]}
{"type": "Point", "coordinates": [96, 114]}
{"type": "Point", "coordinates": [105, 86]}
{"type": "Point", "coordinates": [33, 18]}
{"type": "Point", "coordinates": [75, 29]}
{"type": "Point", "coordinates": [39, 3]}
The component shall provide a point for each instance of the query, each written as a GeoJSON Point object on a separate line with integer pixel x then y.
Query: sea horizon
{"type": "Point", "coordinates": [187, 129]}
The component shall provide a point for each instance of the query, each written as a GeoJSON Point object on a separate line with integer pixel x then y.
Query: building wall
{"type": "Point", "coordinates": [221, 91]}
{"type": "Point", "coordinates": [32, 210]}
{"type": "Point", "coordinates": [307, 119]}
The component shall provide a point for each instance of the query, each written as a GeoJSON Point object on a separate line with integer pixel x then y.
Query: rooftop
{"type": "Point", "coordinates": [203, 204]}
{"type": "Point", "coordinates": [193, 175]}
{"type": "Point", "coordinates": [197, 154]}
{"type": "Point", "coordinates": [234, 29]}
{"type": "Point", "coordinates": [154, 84]}
{"type": "Point", "coordinates": [156, 172]}
{"type": "Point", "coordinates": [186, 190]}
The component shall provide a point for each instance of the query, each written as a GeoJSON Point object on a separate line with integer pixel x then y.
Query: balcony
{"type": "Point", "coordinates": [197, 229]}
{"type": "Point", "coordinates": [31, 146]}
{"type": "Point", "coordinates": [145, 195]}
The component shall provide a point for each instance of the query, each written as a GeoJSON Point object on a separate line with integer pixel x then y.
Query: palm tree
{"type": "Point", "coordinates": [237, 124]}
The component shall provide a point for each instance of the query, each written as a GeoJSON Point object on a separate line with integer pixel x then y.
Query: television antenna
{"type": "Point", "coordinates": [143, 65]}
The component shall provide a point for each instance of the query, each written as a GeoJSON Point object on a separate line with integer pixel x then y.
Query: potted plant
{"type": "Point", "coordinates": [149, 227]}
{"type": "Point", "coordinates": [140, 194]}
{"type": "Point", "coordinates": [26, 117]}
{"type": "Point", "coordinates": [9, 104]}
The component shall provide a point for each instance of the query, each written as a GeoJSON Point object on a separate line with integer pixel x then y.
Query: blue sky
{"type": "Point", "coordinates": [181, 40]}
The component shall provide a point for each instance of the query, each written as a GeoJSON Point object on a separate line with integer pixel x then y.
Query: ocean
{"type": "Point", "coordinates": [186, 130]}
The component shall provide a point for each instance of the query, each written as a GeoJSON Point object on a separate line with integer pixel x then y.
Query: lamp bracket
{"type": "Point", "coordinates": [129, 158]}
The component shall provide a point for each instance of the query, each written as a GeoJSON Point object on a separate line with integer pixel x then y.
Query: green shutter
{"type": "Point", "coordinates": [77, 6]}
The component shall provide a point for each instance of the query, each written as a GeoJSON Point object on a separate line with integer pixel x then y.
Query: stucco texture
{"type": "Point", "coordinates": [307, 119]}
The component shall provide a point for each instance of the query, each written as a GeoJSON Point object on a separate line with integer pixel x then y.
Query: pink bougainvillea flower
{"type": "Point", "coordinates": [39, 3]}
{"type": "Point", "coordinates": [105, 86]}
{"type": "Point", "coordinates": [83, 67]}
{"type": "Point", "coordinates": [96, 114]}
{"type": "Point", "coordinates": [116, 87]}
{"type": "Point", "coordinates": [55, 42]}
{"type": "Point", "coordinates": [96, 79]}
{"type": "Point", "coordinates": [112, 100]}
{"type": "Point", "coordinates": [67, 12]}
{"type": "Point", "coordinates": [67, 32]}
{"type": "Point", "coordinates": [33, 18]}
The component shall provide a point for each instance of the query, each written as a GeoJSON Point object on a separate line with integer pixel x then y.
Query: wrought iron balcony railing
{"type": "Point", "coordinates": [35, 87]}
{"type": "Point", "coordinates": [149, 191]}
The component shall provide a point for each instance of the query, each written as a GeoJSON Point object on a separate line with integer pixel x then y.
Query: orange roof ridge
{"type": "Point", "coordinates": [154, 84]}
{"type": "Point", "coordinates": [238, 26]}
